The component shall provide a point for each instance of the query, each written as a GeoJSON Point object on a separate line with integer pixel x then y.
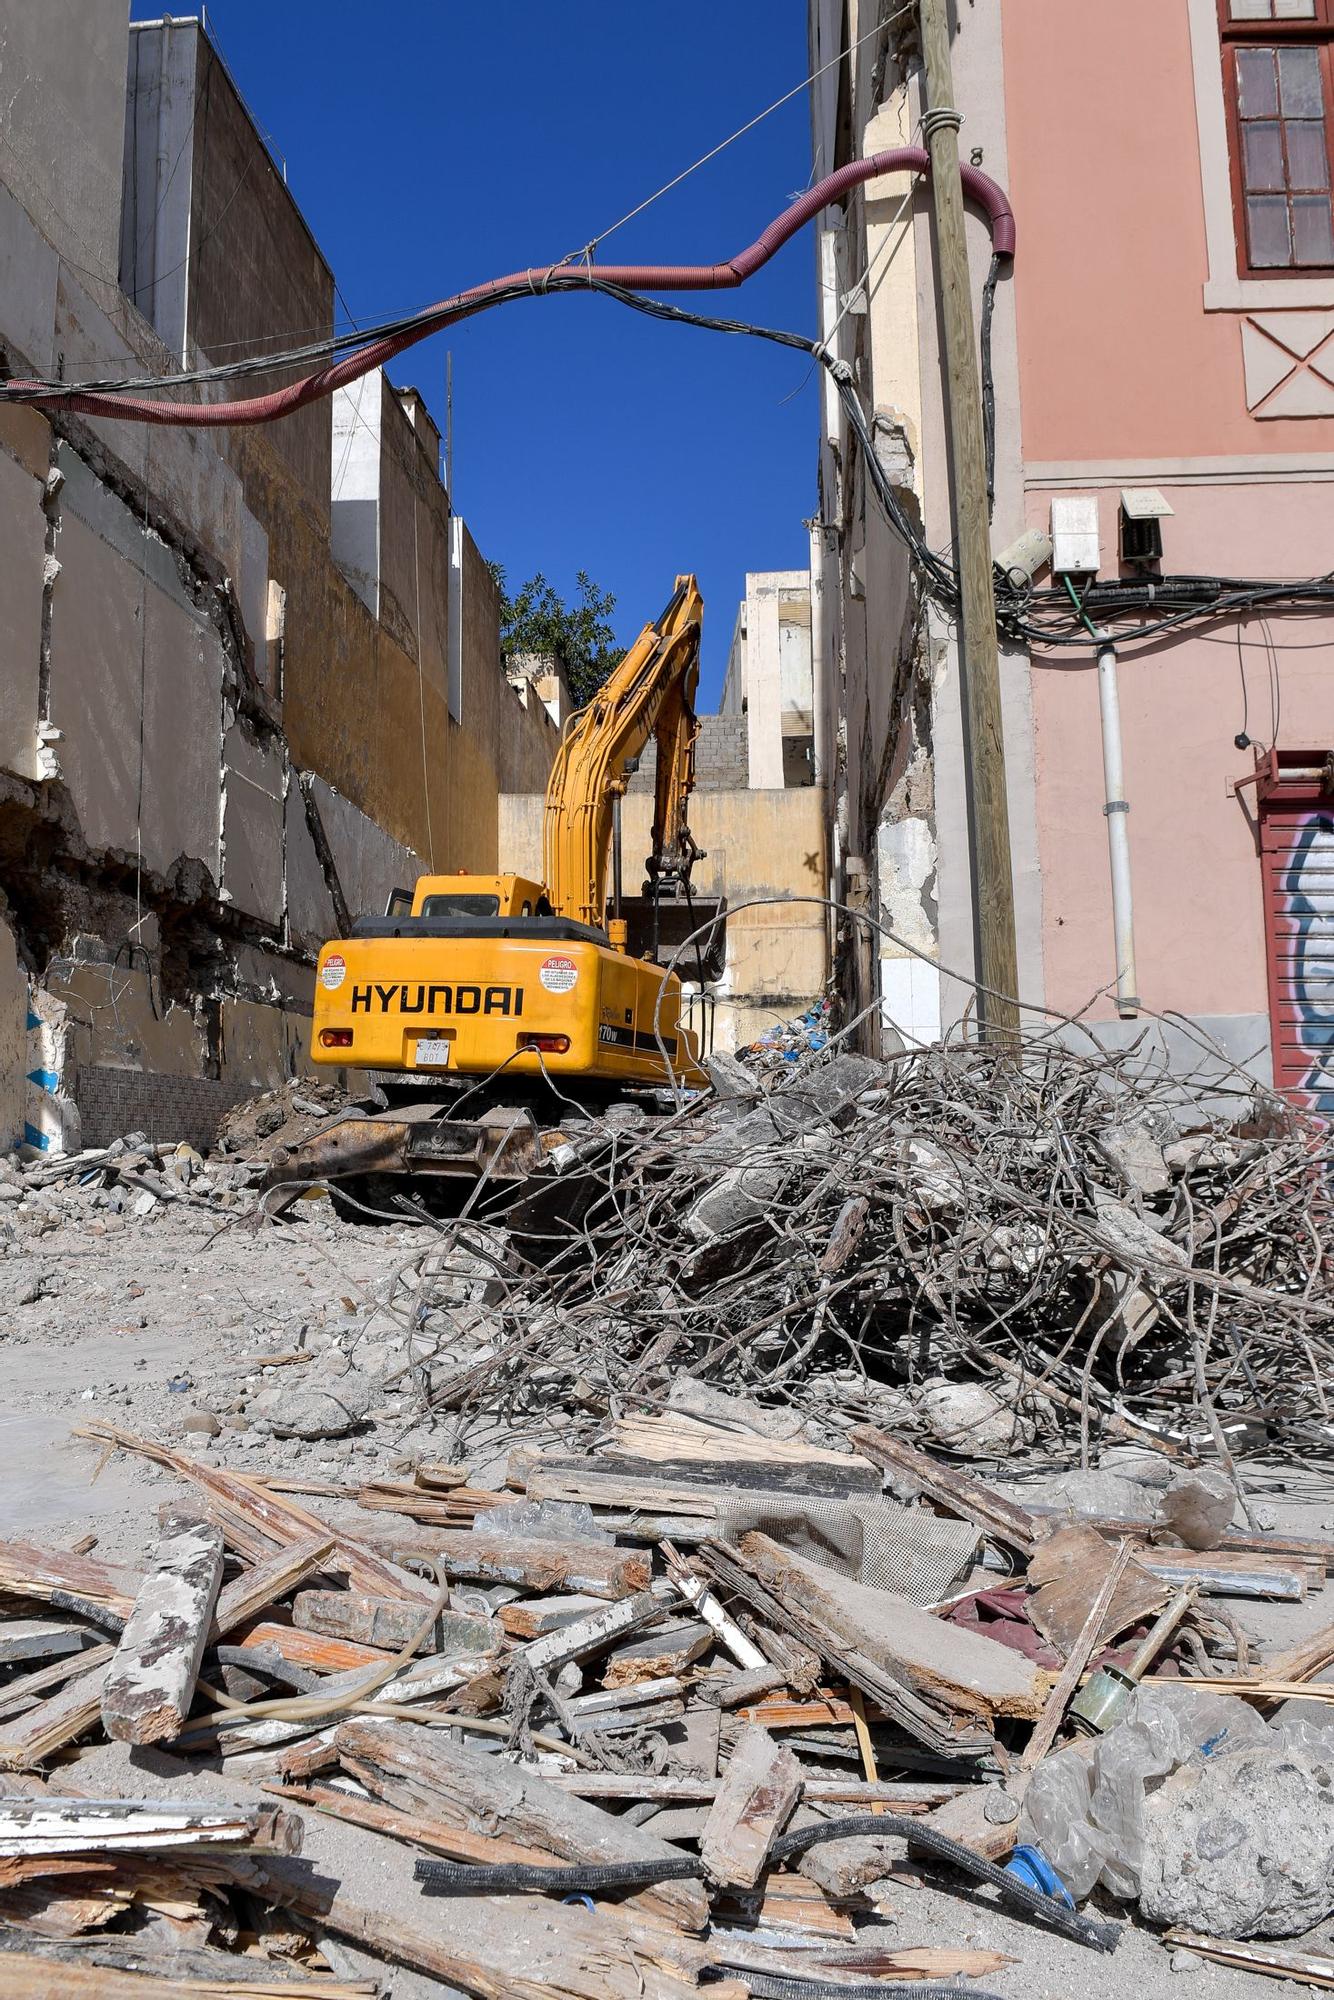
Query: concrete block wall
{"type": "Point", "coordinates": [721, 757]}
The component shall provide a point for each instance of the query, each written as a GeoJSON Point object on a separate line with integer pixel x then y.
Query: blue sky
{"type": "Point", "coordinates": [431, 144]}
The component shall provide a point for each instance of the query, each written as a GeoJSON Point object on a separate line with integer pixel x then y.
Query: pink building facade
{"type": "Point", "coordinates": [1163, 340]}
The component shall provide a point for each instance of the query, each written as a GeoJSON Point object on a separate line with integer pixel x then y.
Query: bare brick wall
{"type": "Point", "coordinates": [113, 1102]}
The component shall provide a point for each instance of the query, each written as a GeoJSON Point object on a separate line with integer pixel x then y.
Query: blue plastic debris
{"type": "Point", "coordinates": [1031, 1866]}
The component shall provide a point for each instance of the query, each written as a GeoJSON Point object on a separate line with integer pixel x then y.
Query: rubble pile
{"type": "Point", "coordinates": [699, 1711]}
{"type": "Point", "coordinates": [975, 1247]}
{"type": "Point", "coordinates": [130, 1177]}
{"type": "Point", "coordinates": [612, 1605]}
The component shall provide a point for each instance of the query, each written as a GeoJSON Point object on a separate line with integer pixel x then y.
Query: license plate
{"type": "Point", "coordinates": [432, 1051]}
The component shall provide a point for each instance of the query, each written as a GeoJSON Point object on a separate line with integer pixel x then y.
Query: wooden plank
{"type": "Point", "coordinates": [233, 1732]}
{"type": "Point", "coordinates": [678, 1440]}
{"type": "Point", "coordinates": [53, 1724]}
{"type": "Point", "coordinates": [1313, 1968]}
{"type": "Point", "coordinates": [254, 1520]}
{"type": "Point", "coordinates": [24, 1692]}
{"type": "Point", "coordinates": [594, 1569]}
{"type": "Point", "coordinates": [493, 1947]}
{"type": "Point", "coordinates": [1309, 1552]}
{"type": "Point", "coordinates": [758, 1794]}
{"type": "Point", "coordinates": [455, 1843]}
{"type": "Point", "coordinates": [1077, 1659]}
{"type": "Point", "coordinates": [29, 1976]}
{"type": "Point", "coordinates": [309, 1649]}
{"type": "Point", "coordinates": [902, 1795]}
{"type": "Point", "coordinates": [592, 1634]}
{"type": "Point", "coordinates": [1305, 1660]}
{"type": "Point", "coordinates": [446, 1782]}
{"type": "Point", "coordinates": [29, 1571]}
{"type": "Point", "coordinates": [150, 1683]}
{"type": "Point", "coordinates": [530, 1617]}
{"type": "Point", "coordinates": [265, 1582]}
{"type": "Point", "coordinates": [664, 1650]}
{"type": "Point", "coordinates": [958, 1492]}
{"type": "Point", "coordinates": [389, 1622]}
{"type": "Point", "coordinates": [58, 1826]}
{"type": "Point", "coordinates": [1067, 1573]}
{"type": "Point", "coordinates": [950, 1668]}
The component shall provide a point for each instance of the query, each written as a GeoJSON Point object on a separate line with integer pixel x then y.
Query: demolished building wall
{"type": "Point", "coordinates": [210, 749]}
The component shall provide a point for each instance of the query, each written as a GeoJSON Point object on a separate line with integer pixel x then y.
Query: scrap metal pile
{"type": "Point", "coordinates": [984, 1248]}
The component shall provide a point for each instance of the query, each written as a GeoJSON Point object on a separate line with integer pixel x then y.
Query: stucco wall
{"type": "Point", "coordinates": [1118, 357]}
{"type": "Point", "coordinates": [1131, 379]}
{"type": "Point", "coordinates": [179, 645]}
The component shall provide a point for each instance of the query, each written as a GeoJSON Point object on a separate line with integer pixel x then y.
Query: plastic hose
{"type": "Point", "coordinates": [277, 403]}
{"type": "Point", "coordinates": [510, 1878]}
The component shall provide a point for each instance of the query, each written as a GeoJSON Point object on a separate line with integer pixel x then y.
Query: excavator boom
{"type": "Point", "coordinates": [651, 694]}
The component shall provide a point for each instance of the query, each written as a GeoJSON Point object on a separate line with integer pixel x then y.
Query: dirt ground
{"type": "Point", "coordinates": [159, 1323]}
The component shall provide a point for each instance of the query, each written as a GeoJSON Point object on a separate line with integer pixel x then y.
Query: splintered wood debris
{"type": "Point", "coordinates": [664, 1714]}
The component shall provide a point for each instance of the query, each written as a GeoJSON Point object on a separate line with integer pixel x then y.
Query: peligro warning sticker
{"type": "Point", "coordinates": [558, 973]}
{"type": "Point", "coordinates": [333, 972]}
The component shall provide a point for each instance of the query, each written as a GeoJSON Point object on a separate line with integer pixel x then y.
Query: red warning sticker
{"type": "Point", "coordinates": [333, 972]}
{"type": "Point", "coordinates": [558, 973]}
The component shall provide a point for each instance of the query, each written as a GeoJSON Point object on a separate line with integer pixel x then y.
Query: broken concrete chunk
{"type": "Point", "coordinates": [151, 1681]}
{"type": "Point", "coordinates": [693, 1398]}
{"type": "Point", "coordinates": [1132, 1238]}
{"type": "Point", "coordinates": [969, 1418]}
{"type": "Point", "coordinates": [1135, 1156]}
{"type": "Point", "coordinates": [1198, 1507]}
{"type": "Point", "coordinates": [327, 1406]}
{"type": "Point", "coordinates": [1242, 1845]}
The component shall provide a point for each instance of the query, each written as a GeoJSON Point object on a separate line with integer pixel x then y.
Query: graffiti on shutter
{"type": "Point", "coordinates": [1298, 855]}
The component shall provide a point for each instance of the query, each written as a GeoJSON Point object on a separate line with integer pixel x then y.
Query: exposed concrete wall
{"type": "Point", "coordinates": [369, 862]}
{"type": "Point", "coordinates": [254, 265]}
{"type": "Point", "coordinates": [159, 177]}
{"type": "Point", "coordinates": [13, 1039]}
{"type": "Point", "coordinates": [136, 673]}
{"type": "Point", "coordinates": [763, 849]}
{"type": "Point", "coordinates": [180, 645]}
{"type": "Point", "coordinates": [61, 139]}
{"type": "Point", "coordinates": [23, 537]}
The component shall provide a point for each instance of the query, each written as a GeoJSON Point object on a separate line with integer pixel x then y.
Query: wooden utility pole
{"type": "Point", "coordinates": [984, 742]}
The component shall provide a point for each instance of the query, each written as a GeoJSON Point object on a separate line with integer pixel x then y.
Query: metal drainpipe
{"type": "Point", "coordinates": [1117, 811]}
{"type": "Point", "coordinates": [819, 679]}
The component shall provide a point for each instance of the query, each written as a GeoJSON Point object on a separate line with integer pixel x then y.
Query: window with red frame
{"type": "Point", "coordinates": [1278, 76]}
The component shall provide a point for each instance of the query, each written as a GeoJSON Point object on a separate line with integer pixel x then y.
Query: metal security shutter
{"type": "Point", "coordinates": [1297, 854]}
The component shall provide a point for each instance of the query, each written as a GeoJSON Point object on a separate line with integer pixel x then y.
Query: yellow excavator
{"type": "Point", "coordinates": [507, 998]}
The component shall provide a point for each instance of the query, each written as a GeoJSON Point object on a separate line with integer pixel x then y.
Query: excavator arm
{"type": "Point", "coordinates": [650, 694]}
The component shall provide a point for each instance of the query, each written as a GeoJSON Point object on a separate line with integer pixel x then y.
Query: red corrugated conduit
{"type": "Point", "coordinates": [277, 403]}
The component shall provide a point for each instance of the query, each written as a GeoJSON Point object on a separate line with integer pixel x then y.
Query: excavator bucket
{"type": "Point", "coordinates": [687, 932]}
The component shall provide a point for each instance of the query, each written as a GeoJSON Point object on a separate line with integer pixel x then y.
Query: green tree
{"type": "Point", "coordinates": [536, 619]}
